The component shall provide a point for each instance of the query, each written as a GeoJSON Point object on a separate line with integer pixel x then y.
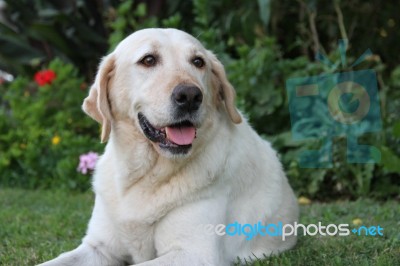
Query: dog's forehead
{"type": "Point", "coordinates": [155, 39]}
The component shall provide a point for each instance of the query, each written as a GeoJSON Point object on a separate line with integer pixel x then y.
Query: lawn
{"type": "Point", "coordinates": [39, 225]}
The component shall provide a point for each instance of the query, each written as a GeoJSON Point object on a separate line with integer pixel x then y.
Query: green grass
{"type": "Point", "coordinates": [39, 225]}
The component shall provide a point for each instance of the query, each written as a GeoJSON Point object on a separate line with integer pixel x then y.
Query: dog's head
{"type": "Point", "coordinates": [166, 85]}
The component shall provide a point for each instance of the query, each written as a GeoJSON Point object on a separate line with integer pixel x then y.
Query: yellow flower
{"type": "Point", "coordinates": [55, 140]}
{"type": "Point", "coordinates": [357, 221]}
{"type": "Point", "coordinates": [383, 32]}
{"type": "Point", "coordinates": [304, 201]}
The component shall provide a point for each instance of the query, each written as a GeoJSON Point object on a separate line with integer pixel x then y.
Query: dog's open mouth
{"type": "Point", "coordinates": [177, 138]}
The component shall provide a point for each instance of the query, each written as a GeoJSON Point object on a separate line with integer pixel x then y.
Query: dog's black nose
{"type": "Point", "coordinates": [187, 97]}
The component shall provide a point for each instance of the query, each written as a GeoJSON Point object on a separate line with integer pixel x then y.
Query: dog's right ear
{"type": "Point", "coordinates": [97, 104]}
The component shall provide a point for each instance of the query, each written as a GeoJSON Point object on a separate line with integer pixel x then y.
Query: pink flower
{"type": "Point", "coordinates": [87, 162]}
{"type": "Point", "coordinates": [45, 77]}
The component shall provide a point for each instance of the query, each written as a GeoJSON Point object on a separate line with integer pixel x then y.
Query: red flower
{"type": "Point", "coordinates": [44, 77]}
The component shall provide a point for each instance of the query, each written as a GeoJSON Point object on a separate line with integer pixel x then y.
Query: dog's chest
{"type": "Point", "coordinates": [132, 224]}
{"type": "Point", "coordinates": [138, 240]}
{"type": "Point", "coordinates": [134, 211]}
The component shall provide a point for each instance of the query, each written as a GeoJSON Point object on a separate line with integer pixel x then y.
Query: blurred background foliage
{"type": "Point", "coordinates": [262, 43]}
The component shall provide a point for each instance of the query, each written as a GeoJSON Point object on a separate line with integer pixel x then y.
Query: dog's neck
{"type": "Point", "coordinates": [136, 170]}
{"type": "Point", "coordinates": [137, 160]}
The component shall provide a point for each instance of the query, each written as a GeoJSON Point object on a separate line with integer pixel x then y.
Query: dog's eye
{"type": "Point", "coordinates": [149, 61]}
{"type": "Point", "coordinates": [198, 62]}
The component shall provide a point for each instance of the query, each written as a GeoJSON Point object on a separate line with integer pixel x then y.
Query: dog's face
{"type": "Point", "coordinates": [164, 83]}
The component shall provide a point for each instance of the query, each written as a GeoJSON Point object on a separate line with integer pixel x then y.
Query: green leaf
{"type": "Point", "coordinates": [396, 129]}
{"type": "Point", "coordinates": [125, 7]}
{"type": "Point", "coordinates": [141, 10]}
{"type": "Point", "coordinates": [390, 161]}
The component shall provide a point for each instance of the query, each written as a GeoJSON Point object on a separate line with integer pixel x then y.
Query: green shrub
{"type": "Point", "coordinates": [35, 32]}
{"type": "Point", "coordinates": [258, 69]}
{"type": "Point", "coordinates": [261, 43]}
{"type": "Point", "coordinates": [43, 131]}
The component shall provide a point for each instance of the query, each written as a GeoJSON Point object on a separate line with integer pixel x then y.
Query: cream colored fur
{"type": "Point", "coordinates": [149, 203]}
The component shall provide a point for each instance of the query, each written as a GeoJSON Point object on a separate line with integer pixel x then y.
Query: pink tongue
{"type": "Point", "coordinates": [181, 135]}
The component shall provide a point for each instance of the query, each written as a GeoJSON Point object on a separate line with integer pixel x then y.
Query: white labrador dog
{"type": "Point", "coordinates": [179, 157]}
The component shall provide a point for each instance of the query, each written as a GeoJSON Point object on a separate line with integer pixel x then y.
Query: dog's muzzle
{"type": "Point", "coordinates": [176, 138]}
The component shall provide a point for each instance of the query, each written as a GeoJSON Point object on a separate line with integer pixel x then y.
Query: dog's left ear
{"type": "Point", "coordinates": [97, 104]}
{"type": "Point", "coordinates": [226, 90]}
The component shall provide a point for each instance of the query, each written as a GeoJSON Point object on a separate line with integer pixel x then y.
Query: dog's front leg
{"type": "Point", "coordinates": [84, 255]}
{"type": "Point", "coordinates": [100, 247]}
{"type": "Point", "coordinates": [182, 237]}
